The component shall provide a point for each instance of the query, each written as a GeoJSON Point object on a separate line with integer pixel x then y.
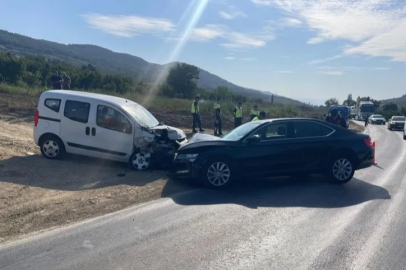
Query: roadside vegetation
{"type": "Point", "coordinates": [31, 76]}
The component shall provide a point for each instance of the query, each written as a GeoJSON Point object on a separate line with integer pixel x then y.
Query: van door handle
{"type": "Point", "coordinates": [87, 131]}
{"type": "Point", "coordinates": [93, 131]}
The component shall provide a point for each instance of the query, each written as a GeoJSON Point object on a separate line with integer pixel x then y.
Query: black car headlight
{"type": "Point", "coordinates": [188, 157]}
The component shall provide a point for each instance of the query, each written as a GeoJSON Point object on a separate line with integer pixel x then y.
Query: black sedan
{"type": "Point", "coordinates": [271, 148]}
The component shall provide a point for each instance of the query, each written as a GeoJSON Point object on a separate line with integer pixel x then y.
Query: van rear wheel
{"type": "Point", "coordinates": [52, 147]}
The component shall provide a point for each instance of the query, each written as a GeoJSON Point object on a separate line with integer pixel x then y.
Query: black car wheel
{"type": "Point", "coordinates": [217, 173]}
{"type": "Point", "coordinates": [52, 147]}
{"type": "Point", "coordinates": [341, 169]}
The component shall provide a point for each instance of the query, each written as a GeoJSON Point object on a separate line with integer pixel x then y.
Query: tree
{"type": "Point", "coordinates": [376, 103]}
{"type": "Point", "coordinates": [390, 107]}
{"type": "Point", "coordinates": [272, 99]}
{"type": "Point", "coordinates": [403, 110]}
{"type": "Point", "coordinates": [183, 79]}
{"type": "Point", "coordinates": [331, 101]}
{"type": "Point", "coordinates": [349, 101]}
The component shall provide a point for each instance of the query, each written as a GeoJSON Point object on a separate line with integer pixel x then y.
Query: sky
{"type": "Point", "coordinates": [309, 50]}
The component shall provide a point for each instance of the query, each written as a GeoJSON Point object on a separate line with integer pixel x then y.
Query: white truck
{"type": "Point", "coordinates": [365, 109]}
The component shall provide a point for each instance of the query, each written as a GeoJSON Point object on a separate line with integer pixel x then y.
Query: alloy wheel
{"type": "Point", "coordinates": [218, 174]}
{"type": "Point", "coordinates": [342, 169]}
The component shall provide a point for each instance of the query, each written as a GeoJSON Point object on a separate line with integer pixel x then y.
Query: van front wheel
{"type": "Point", "coordinates": [52, 147]}
{"type": "Point", "coordinates": [140, 161]}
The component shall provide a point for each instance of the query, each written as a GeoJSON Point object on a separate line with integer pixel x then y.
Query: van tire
{"type": "Point", "coordinates": [140, 161]}
{"type": "Point", "coordinates": [52, 147]}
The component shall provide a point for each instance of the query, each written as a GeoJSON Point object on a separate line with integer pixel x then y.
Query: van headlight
{"type": "Point", "coordinates": [188, 157]}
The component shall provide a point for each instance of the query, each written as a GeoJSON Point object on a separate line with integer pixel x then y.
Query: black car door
{"type": "Point", "coordinates": [310, 146]}
{"type": "Point", "coordinates": [270, 155]}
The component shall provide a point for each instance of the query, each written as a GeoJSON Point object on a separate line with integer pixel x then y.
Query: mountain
{"type": "Point", "coordinates": [112, 62]}
{"type": "Point", "coordinates": [400, 101]}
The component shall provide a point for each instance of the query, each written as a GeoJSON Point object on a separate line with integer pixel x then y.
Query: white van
{"type": "Point", "coordinates": [100, 126]}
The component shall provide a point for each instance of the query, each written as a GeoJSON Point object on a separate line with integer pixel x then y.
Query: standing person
{"type": "Point", "coordinates": [261, 116]}
{"type": "Point", "coordinates": [366, 120]}
{"type": "Point", "coordinates": [217, 119]}
{"type": "Point", "coordinates": [56, 81]}
{"type": "Point", "coordinates": [66, 81]}
{"type": "Point", "coordinates": [254, 112]}
{"type": "Point", "coordinates": [196, 116]}
{"type": "Point", "coordinates": [335, 118]}
{"type": "Point", "coordinates": [238, 115]}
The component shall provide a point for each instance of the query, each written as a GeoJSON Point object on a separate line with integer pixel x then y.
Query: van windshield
{"type": "Point", "coordinates": [141, 115]}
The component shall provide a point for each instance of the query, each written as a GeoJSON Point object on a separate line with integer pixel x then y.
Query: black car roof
{"type": "Point", "coordinates": [323, 122]}
{"type": "Point", "coordinates": [292, 119]}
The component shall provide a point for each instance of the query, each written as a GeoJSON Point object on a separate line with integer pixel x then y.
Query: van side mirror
{"type": "Point", "coordinates": [254, 139]}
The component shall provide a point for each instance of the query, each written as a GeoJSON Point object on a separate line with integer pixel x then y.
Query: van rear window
{"type": "Point", "coordinates": [53, 104]}
{"type": "Point", "coordinates": [77, 111]}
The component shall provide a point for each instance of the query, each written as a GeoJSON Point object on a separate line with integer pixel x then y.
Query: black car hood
{"type": "Point", "coordinates": [199, 137]}
{"type": "Point", "coordinates": [202, 140]}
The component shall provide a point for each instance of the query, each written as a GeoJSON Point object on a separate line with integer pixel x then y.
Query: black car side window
{"type": "Point", "coordinates": [273, 131]}
{"type": "Point", "coordinates": [309, 129]}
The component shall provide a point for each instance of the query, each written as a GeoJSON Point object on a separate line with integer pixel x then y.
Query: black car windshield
{"type": "Point", "coordinates": [398, 118]}
{"type": "Point", "coordinates": [377, 116]}
{"type": "Point", "coordinates": [239, 132]}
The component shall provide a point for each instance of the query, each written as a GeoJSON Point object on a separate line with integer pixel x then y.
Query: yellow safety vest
{"type": "Point", "coordinates": [195, 110]}
{"type": "Point", "coordinates": [256, 118]}
{"type": "Point", "coordinates": [254, 112]}
{"type": "Point", "coordinates": [216, 105]}
{"type": "Point", "coordinates": [238, 112]}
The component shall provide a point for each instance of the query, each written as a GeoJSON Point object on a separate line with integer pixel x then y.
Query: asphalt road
{"type": "Point", "coordinates": [272, 224]}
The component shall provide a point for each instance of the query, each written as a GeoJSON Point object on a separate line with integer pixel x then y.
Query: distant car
{"type": "Point", "coordinates": [396, 122]}
{"type": "Point", "coordinates": [377, 119]}
{"type": "Point", "coordinates": [274, 147]}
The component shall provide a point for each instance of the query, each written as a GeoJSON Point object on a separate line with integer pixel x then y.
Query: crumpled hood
{"type": "Point", "coordinates": [198, 137]}
{"type": "Point", "coordinates": [173, 133]}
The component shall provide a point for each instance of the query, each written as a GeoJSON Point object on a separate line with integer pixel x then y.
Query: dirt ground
{"type": "Point", "coordinates": [38, 194]}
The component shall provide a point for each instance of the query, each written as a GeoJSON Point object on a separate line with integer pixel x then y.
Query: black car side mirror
{"type": "Point", "coordinates": [255, 138]}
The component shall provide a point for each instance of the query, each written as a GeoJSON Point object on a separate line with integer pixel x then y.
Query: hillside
{"type": "Point", "coordinates": [400, 101]}
{"type": "Point", "coordinates": [112, 62]}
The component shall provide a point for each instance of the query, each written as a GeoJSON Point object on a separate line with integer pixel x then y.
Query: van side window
{"type": "Point", "coordinates": [53, 104]}
{"type": "Point", "coordinates": [110, 118]}
{"type": "Point", "coordinates": [77, 111]}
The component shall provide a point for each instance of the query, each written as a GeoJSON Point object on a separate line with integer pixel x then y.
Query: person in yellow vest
{"type": "Point", "coordinates": [261, 116]}
{"type": "Point", "coordinates": [254, 112]}
{"type": "Point", "coordinates": [217, 119]}
{"type": "Point", "coordinates": [238, 115]}
{"type": "Point", "coordinates": [195, 114]}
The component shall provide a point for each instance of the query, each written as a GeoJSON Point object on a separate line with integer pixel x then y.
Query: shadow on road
{"type": "Point", "coordinates": [314, 192]}
{"type": "Point", "coordinates": [73, 173]}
